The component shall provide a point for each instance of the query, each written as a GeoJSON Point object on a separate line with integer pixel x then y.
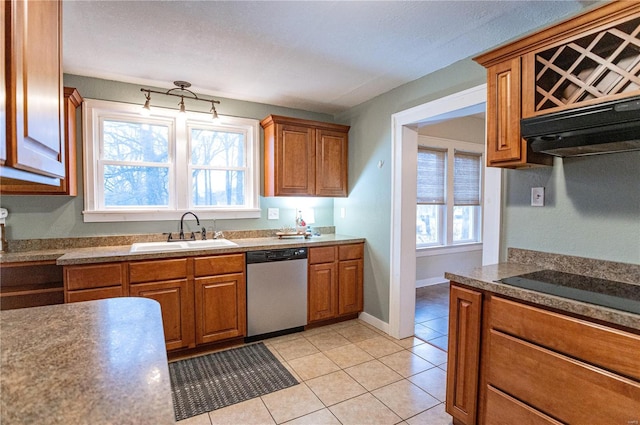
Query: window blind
{"type": "Point", "coordinates": [466, 178]}
{"type": "Point", "coordinates": [431, 176]}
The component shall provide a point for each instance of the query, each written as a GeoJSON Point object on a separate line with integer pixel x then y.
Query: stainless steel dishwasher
{"type": "Point", "coordinates": [276, 292]}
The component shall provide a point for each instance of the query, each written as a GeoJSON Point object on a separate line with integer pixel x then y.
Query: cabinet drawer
{"type": "Point", "coordinates": [219, 264]}
{"type": "Point", "coordinates": [564, 388]}
{"type": "Point", "coordinates": [351, 252]}
{"type": "Point", "coordinates": [94, 294]}
{"type": "Point", "coordinates": [325, 254]}
{"type": "Point", "coordinates": [96, 276]}
{"type": "Point", "coordinates": [150, 271]}
{"type": "Point", "coordinates": [504, 410]}
{"type": "Point", "coordinates": [605, 347]}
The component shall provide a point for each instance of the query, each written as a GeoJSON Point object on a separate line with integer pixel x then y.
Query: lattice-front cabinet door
{"type": "Point", "coordinates": [602, 65]}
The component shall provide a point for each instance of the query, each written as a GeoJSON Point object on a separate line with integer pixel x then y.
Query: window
{"type": "Point", "coordinates": [449, 193]}
{"type": "Point", "coordinates": [158, 167]}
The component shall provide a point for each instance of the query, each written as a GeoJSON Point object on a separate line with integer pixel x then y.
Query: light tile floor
{"type": "Point", "coordinates": [432, 314]}
{"type": "Point", "coordinates": [349, 373]}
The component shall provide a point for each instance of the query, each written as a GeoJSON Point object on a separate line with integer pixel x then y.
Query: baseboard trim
{"type": "Point", "coordinates": [431, 281]}
{"type": "Point", "coordinates": [374, 321]}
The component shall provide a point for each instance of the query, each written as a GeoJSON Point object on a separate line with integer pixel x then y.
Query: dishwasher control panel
{"type": "Point", "coordinates": [276, 255]}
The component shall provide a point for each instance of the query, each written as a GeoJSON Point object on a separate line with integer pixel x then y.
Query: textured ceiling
{"type": "Point", "coordinates": [322, 56]}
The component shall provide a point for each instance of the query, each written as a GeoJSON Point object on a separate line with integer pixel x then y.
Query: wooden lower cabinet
{"type": "Point", "coordinates": [220, 307]}
{"type": "Point", "coordinates": [176, 305]}
{"type": "Point", "coordinates": [30, 284]}
{"type": "Point", "coordinates": [335, 281]}
{"type": "Point", "coordinates": [95, 282]}
{"type": "Point", "coordinates": [465, 318]}
{"type": "Point", "coordinates": [537, 366]}
{"type": "Point", "coordinates": [323, 291]}
{"type": "Point", "coordinates": [203, 299]}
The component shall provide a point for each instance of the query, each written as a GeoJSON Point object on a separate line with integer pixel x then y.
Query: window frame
{"type": "Point", "coordinates": [94, 113]}
{"type": "Point", "coordinates": [452, 146]}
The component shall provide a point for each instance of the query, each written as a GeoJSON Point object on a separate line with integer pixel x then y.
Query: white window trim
{"type": "Point", "coordinates": [93, 212]}
{"type": "Point", "coordinates": [451, 146]}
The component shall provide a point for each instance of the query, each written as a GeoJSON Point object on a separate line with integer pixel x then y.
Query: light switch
{"type": "Point", "coordinates": [537, 196]}
{"type": "Point", "coordinates": [273, 214]}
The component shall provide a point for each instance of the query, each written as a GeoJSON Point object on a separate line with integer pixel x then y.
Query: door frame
{"type": "Point", "coordinates": [404, 145]}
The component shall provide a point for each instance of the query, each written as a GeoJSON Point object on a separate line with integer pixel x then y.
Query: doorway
{"type": "Point", "coordinates": [404, 124]}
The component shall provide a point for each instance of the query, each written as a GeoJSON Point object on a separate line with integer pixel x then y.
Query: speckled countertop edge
{"type": "Point", "coordinates": [485, 278]}
{"type": "Point", "coordinates": [106, 254]}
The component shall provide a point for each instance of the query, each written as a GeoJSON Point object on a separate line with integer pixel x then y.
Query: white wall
{"type": "Point", "coordinates": [430, 268]}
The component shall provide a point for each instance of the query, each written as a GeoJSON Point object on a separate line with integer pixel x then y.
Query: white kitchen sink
{"type": "Point", "coordinates": [180, 246]}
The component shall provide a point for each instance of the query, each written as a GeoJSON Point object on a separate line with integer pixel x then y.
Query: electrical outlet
{"type": "Point", "coordinates": [537, 196]}
{"type": "Point", "coordinates": [343, 212]}
{"type": "Point", "coordinates": [273, 214]}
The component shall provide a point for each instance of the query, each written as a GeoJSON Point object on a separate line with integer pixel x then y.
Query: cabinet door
{"type": "Point", "coordinates": [504, 144]}
{"type": "Point", "coordinates": [35, 113]}
{"type": "Point", "coordinates": [220, 307]}
{"type": "Point", "coordinates": [350, 286]}
{"type": "Point", "coordinates": [295, 157]}
{"type": "Point", "coordinates": [331, 163]}
{"type": "Point", "coordinates": [176, 307]}
{"type": "Point", "coordinates": [68, 185]}
{"type": "Point", "coordinates": [465, 310]}
{"type": "Point", "coordinates": [323, 292]}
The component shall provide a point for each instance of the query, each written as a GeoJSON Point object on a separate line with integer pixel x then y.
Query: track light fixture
{"type": "Point", "coordinates": [182, 87]}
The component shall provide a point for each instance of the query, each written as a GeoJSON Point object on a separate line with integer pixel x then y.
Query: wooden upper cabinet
{"type": "Point", "coordinates": [69, 185]}
{"type": "Point", "coordinates": [35, 97]}
{"type": "Point", "coordinates": [591, 58]}
{"type": "Point", "coordinates": [304, 158]}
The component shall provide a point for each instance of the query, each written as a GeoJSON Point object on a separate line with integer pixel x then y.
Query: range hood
{"type": "Point", "coordinates": [606, 127]}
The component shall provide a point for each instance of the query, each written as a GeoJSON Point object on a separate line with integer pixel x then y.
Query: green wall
{"type": "Point", "coordinates": [368, 207]}
{"type": "Point", "coordinates": [592, 208]}
{"type": "Point", "coordinates": [41, 217]}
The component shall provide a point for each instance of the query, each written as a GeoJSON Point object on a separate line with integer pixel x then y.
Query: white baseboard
{"type": "Point", "coordinates": [431, 281]}
{"type": "Point", "coordinates": [374, 321]}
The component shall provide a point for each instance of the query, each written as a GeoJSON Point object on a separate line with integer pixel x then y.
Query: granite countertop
{"type": "Point", "coordinates": [97, 362]}
{"type": "Point", "coordinates": [486, 278]}
{"type": "Point", "coordinates": [104, 254]}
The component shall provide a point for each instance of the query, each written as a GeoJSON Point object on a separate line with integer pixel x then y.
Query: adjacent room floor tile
{"type": "Point", "coordinates": [309, 367]}
{"type": "Point", "coordinates": [441, 342]}
{"type": "Point", "coordinates": [364, 409]}
{"type": "Point", "coordinates": [348, 355]}
{"type": "Point", "coordinates": [291, 403]}
{"type": "Point", "coordinates": [335, 387]}
{"type": "Point", "coordinates": [425, 333]}
{"type": "Point", "coordinates": [439, 325]}
{"type": "Point", "coordinates": [408, 342]}
{"type": "Point", "coordinates": [250, 412]}
{"type": "Point", "coordinates": [405, 399]}
{"type": "Point", "coordinates": [406, 363]}
{"type": "Point", "coordinates": [373, 374]}
{"type": "Point", "coordinates": [433, 381]}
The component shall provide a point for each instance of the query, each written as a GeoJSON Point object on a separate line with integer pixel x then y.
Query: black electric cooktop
{"type": "Point", "coordinates": [607, 293]}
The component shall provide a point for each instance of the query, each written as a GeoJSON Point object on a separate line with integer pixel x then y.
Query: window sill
{"type": "Point", "coordinates": [450, 249]}
{"type": "Point", "coordinates": [162, 215]}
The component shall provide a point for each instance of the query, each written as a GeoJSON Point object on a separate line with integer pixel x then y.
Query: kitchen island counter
{"type": "Point", "coordinates": [97, 362]}
{"type": "Point", "coordinates": [524, 261]}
